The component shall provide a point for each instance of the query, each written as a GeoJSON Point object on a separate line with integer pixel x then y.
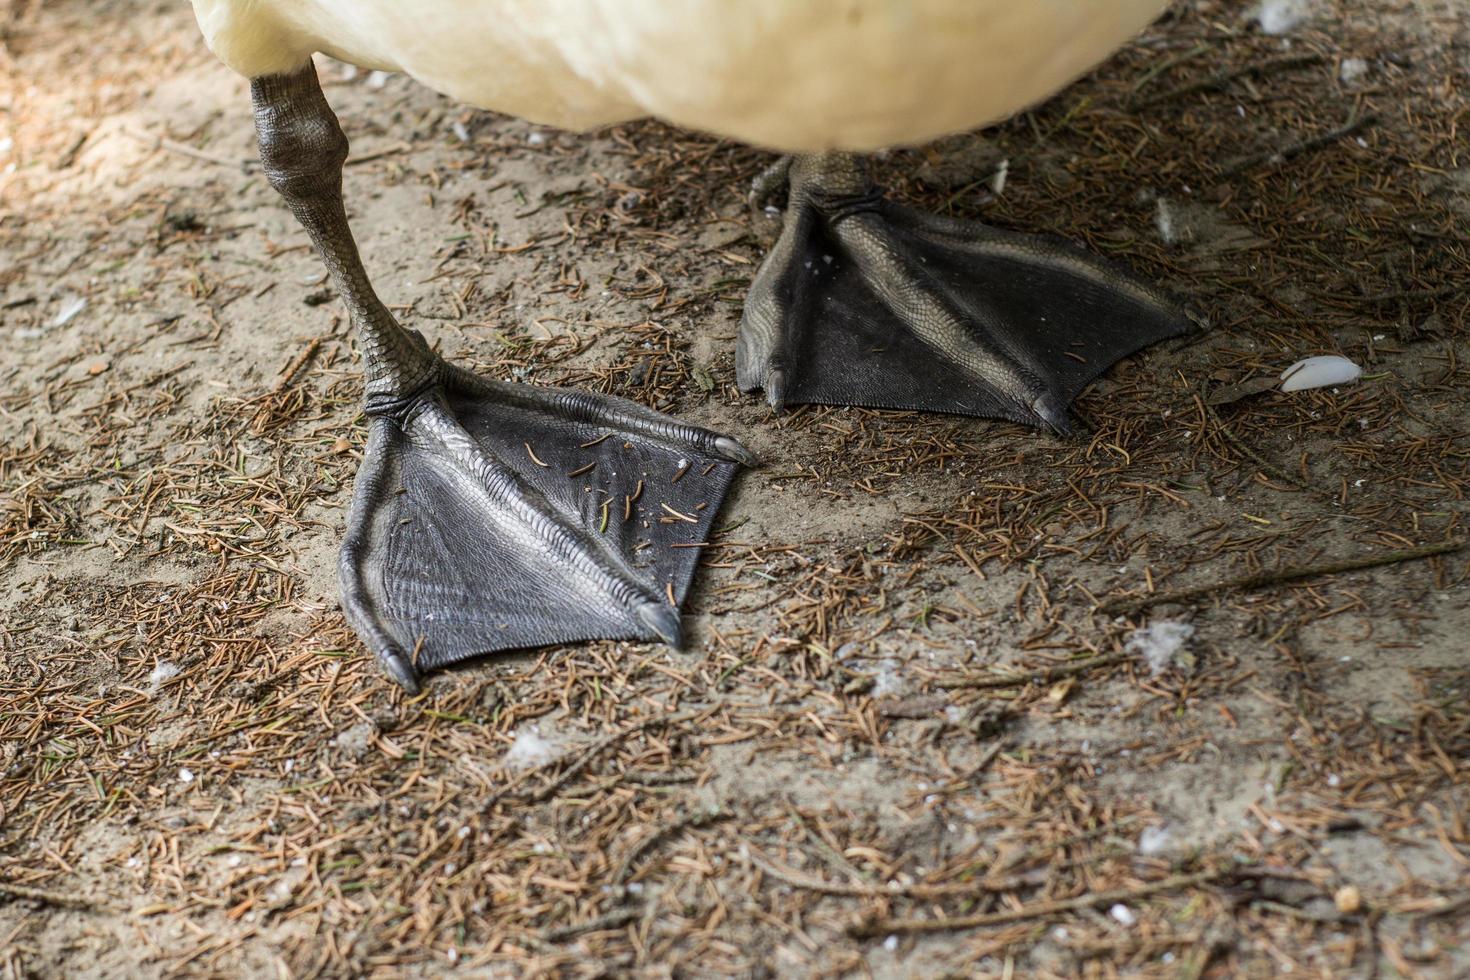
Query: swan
{"type": "Point", "coordinates": [489, 515]}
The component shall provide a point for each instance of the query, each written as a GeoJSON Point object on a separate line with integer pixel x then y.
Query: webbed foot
{"type": "Point", "coordinates": [489, 516]}
{"type": "Point", "coordinates": [865, 302]}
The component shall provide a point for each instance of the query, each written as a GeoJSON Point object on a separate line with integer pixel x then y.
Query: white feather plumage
{"type": "Point", "coordinates": [796, 75]}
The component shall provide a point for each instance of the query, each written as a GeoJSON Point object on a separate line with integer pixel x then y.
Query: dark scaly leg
{"type": "Point", "coordinates": [865, 302]}
{"type": "Point", "coordinates": [489, 515]}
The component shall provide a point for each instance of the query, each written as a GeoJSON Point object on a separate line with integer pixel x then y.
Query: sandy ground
{"type": "Point", "coordinates": [910, 735]}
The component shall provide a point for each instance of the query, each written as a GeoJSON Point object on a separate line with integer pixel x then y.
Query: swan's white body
{"type": "Point", "coordinates": [795, 75]}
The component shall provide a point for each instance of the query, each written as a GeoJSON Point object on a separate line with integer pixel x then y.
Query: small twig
{"type": "Point", "coordinates": [1222, 78]}
{"type": "Point", "coordinates": [1243, 583]}
{"type": "Point", "coordinates": [1043, 676]}
{"type": "Point", "coordinates": [698, 818]}
{"type": "Point", "coordinates": [371, 155]}
{"type": "Point", "coordinates": [588, 754]}
{"type": "Point", "coordinates": [986, 758]}
{"type": "Point", "coordinates": [1058, 846]}
{"type": "Point", "coordinates": [297, 364]}
{"type": "Point", "coordinates": [887, 927]}
{"type": "Point", "coordinates": [184, 149]}
{"type": "Point", "coordinates": [1453, 907]}
{"type": "Point", "coordinates": [1285, 153]}
{"type": "Point", "coordinates": [607, 920]}
{"type": "Point", "coordinates": [923, 893]}
{"type": "Point", "coordinates": [1168, 64]}
{"type": "Point", "coordinates": [57, 899]}
{"type": "Point", "coordinates": [69, 155]}
{"type": "Point", "coordinates": [1265, 465]}
{"type": "Point", "coordinates": [655, 779]}
{"type": "Point", "coordinates": [1454, 289]}
{"type": "Point", "coordinates": [1291, 911]}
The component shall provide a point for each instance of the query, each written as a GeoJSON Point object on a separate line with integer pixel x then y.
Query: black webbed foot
{"type": "Point", "coordinates": [865, 302]}
{"type": "Point", "coordinates": [489, 516]}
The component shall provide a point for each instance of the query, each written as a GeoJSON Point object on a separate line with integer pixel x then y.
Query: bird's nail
{"type": "Point", "coordinates": [1052, 413]}
{"type": "Point", "coordinates": [663, 620]}
{"type": "Point", "coordinates": [734, 452]}
{"type": "Point", "coordinates": [397, 666]}
{"type": "Point", "coordinates": [776, 388]}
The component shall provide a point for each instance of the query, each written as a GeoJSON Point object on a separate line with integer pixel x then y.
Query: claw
{"type": "Point", "coordinates": [1053, 413]}
{"type": "Point", "coordinates": [663, 620]}
{"type": "Point", "coordinates": [735, 452]}
{"type": "Point", "coordinates": [770, 182]}
{"type": "Point", "coordinates": [397, 666]}
{"type": "Point", "coordinates": [775, 386]}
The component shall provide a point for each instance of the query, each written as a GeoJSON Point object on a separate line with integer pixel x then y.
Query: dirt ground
{"type": "Point", "coordinates": [917, 731]}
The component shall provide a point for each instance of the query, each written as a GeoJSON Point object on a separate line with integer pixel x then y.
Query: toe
{"type": "Point", "coordinates": [735, 452]}
{"type": "Point", "coordinates": [663, 620]}
{"type": "Point", "coordinates": [1051, 412]}
{"type": "Point", "coordinates": [400, 668]}
{"type": "Point", "coordinates": [776, 388]}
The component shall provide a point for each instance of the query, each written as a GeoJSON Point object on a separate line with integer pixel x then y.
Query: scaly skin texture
{"type": "Point", "coordinates": [864, 302]}
{"type": "Point", "coordinates": [482, 518]}
{"type": "Point", "coordinates": [302, 149]}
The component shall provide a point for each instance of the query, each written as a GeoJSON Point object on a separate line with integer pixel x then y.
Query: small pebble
{"type": "Point", "coordinates": [1348, 899]}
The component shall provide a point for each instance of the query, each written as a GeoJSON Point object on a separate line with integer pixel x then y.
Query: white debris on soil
{"type": "Point", "coordinates": [186, 775]}
{"type": "Point", "coordinates": [161, 675]}
{"type": "Point", "coordinates": [1154, 840]}
{"type": "Point", "coordinates": [70, 307]}
{"type": "Point", "coordinates": [378, 79]}
{"type": "Point", "coordinates": [1319, 372]}
{"type": "Point", "coordinates": [886, 681]}
{"type": "Point", "coordinates": [1122, 914]}
{"type": "Point", "coordinates": [530, 750]}
{"type": "Point", "coordinates": [1352, 70]}
{"type": "Point", "coordinates": [1164, 222]}
{"type": "Point", "coordinates": [1159, 643]}
{"type": "Point", "coordinates": [1280, 16]}
{"type": "Point", "coordinates": [355, 742]}
{"type": "Point", "coordinates": [998, 179]}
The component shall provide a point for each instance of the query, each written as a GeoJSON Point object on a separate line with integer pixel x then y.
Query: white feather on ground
{"type": "Point", "coordinates": [531, 750]}
{"type": "Point", "coordinates": [1281, 16]}
{"type": "Point", "coordinates": [70, 307]}
{"type": "Point", "coordinates": [161, 675]}
{"type": "Point", "coordinates": [1319, 372]}
{"type": "Point", "coordinates": [1154, 840]}
{"type": "Point", "coordinates": [1352, 70]}
{"type": "Point", "coordinates": [1164, 222]}
{"type": "Point", "coordinates": [1159, 643]}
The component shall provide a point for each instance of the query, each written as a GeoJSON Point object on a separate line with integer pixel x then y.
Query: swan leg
{"type": "Point", "coordinates": [489, 515]}
{"type": "Point", "coordinates": [865, 302]}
